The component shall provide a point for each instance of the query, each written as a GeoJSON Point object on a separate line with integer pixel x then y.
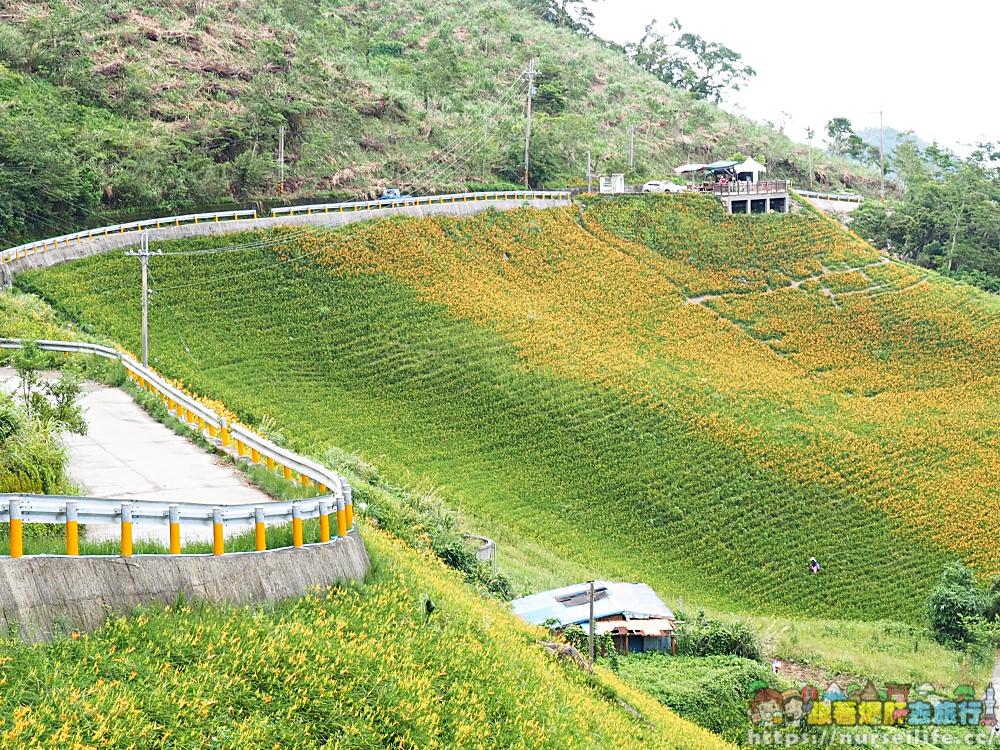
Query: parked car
{"type": "Point", "coordinates": [662, 186]}
{"type": "Point", "coordinates": [393, 194]}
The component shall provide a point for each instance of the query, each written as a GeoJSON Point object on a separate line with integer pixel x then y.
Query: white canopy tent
{"type": "Point", "coordinates": [750, 167]}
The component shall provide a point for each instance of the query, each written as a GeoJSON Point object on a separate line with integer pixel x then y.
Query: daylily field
{"type": "Point", "coordinates": [650, 387]}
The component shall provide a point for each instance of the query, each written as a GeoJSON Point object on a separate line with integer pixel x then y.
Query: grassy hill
{"type": "Point", "coordinates": [352, 667]}
{"type": "Point", "coordinates": [162, 106]}
{"type": "Point", "coordinates": [650, 388]}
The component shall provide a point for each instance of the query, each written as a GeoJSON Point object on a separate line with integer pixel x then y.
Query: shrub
{"type": "Point", "coordinates": [956, 605]}
{"type": "Point", "coordinates": [705, 637]}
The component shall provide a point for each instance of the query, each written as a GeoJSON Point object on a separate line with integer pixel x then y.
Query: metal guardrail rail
{"type": "Point", "coordinates": [846, 198]}
{"type": "Point", "coordinates": [427, 200]}
{"type": "Point", "coordinates": [233, 438]}
{"type": "Point", "coordinates": [40, 246]}
{"type": "Point", "coordinates": [29, 248]}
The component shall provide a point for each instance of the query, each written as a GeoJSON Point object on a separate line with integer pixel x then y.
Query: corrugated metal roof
{"type": "Point", "coordinates": [633, 600]}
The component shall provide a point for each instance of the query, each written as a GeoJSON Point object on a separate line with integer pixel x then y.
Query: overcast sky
{"type": "Point", "coordinates": [930, 68]}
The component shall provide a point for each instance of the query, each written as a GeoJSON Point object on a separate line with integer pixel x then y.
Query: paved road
{"type": "Point", "coordinates": [129, 455]}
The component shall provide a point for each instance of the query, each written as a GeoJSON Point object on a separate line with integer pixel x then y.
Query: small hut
{"type": "Point", "coordinates": [632, 613]}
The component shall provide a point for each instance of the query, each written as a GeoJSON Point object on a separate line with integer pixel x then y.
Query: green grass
{"type": "Point", "coordinates": [546, 379]}
{"type": "Point", "coordinates": [711, 691]}
{"type": "Point", "coordinates": [437, 401]}
{"type": "Point", "coordinates": [357, 666]}
{"type": "Point", "coordinates": [880, 651]}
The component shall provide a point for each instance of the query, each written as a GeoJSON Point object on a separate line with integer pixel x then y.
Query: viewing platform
{"type": "Point", "coordinates": [746, 197]}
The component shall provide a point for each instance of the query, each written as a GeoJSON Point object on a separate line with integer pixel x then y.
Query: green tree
{"type": "Point", "coordinates": [687, 61]}
{"type": "Point", "coordinates": [568, 14]}
{"type": "Point", "coordinates": [45, 400]}
{"type": "Point", "coordinates": [845, 142]}
{"type": "Point", "coordinates": [957, 606]}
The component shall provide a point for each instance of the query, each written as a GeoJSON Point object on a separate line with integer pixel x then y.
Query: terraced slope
{"type": "Point", "coordinates": [565, 379]}
{"type": "Point", "coordinates": [357, 667]}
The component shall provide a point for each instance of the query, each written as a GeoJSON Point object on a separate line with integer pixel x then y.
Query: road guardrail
{"type": "Point", "coordinates": [233, 438]}
{"type": "Point", "coordinates": [843, 197]}
{"type": "Point", "coordinates": [40, 246]}
{"type": "Point", "coordinates": [427, 200]}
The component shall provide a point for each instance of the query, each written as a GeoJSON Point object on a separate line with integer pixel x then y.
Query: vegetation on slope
{"type": "Point", "coordinates": [34, 412]}
{"type": "Point", "coordinates": [163, 106]}
{"type": "Point", "coordinates": [948, 217]}
{"type": "Point", "coordinates": [554, 383]}
{"type": "Point", "coordinates": [358, 666]}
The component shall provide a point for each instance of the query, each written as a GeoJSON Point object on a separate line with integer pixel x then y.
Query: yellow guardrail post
{"type": "Point", "coordinates": [287, 473]}
{"type": "Point", "coordinates": [174, 518]}
{"type": "Point", "coordinates": [259, 529]}
{"type": "Point", "coordinates": [255, 455]}
{"type": "Point", "coordinates": [72, 529]}
{"type": "Point", "coordinates": [225, 433]}
{"type": "Point", "coordinates": [304, 480]}
{"type": "Point", "coordinates": [218, 541]}
{"type": "Point", "coordinates": [126, 530]}
{"type": "Point", "coordinates": [241, 449]}
{"type": "Point", "coordinates": [270, 463]}
{"type": "Point", "coordinates": [341, 516]}
{"type": "Point", "coordinates": [348, 505]}
{"type": "Point", "coordinates": [324, 522]}
{"type": "Point", "coordinates": [296, 525]}
{"type": "Point", "coordinates": [16, 529]}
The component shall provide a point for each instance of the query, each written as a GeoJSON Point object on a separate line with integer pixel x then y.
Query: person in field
{"type": "Point", "coordinates": [813, 565]}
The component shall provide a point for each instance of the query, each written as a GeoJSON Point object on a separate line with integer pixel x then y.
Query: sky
{"type": "Point", "coordinates": [928, 67]}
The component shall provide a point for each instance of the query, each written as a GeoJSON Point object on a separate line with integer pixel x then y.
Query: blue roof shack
{"type": "Point", "coordinates": [632, 613]}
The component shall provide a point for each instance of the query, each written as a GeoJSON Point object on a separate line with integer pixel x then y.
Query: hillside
{"type": "Point", "coordinates": [116, 107]}
{"type": "Point", "coordinates": [354, 667]}
{"type": "Point", "coordinates": [651, 388]}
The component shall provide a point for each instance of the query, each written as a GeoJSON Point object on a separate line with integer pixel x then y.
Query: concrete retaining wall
{"type": "Point", "coordinates": [101, 244]}
{"type": "Point", "coordinates": [45, 596]}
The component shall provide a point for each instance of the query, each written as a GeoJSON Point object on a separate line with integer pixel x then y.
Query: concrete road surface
{"type": "Point", "coordinates": [129, 455]}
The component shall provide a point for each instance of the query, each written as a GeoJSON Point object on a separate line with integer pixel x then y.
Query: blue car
{"type": "Point", "coordinates": [392, 194]}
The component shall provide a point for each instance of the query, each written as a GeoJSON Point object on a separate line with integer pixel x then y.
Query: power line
{"type": "Point", "coordinates": [419, 175]}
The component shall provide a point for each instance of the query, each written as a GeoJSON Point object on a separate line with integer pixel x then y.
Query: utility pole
{"type": "Point", "coordinates": [588, 170]}
{"type": "Point", "coordinates": [531, 73]}
{"type": "Point", "coordinates": [881, 149]}
{"type": "Point", "coordinates": [631, 145]}
{"type": "Point", "coordinates": [143, 255]}
{"type": "Point", "coordinates": [809, 134]}
{"type": "Point", "coordinates": [486, 138]}
{"type": "Point", "coordinates": [281, 160]}
{"type": "Point", "coordinates": [591, 623]}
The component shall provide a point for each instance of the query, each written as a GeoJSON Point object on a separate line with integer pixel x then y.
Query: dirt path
{"type": "Point", "coordinates": [874, 289]}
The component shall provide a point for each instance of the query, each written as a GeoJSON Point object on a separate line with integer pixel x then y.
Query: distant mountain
{"type": "Point", "coordinates": [892, 137]}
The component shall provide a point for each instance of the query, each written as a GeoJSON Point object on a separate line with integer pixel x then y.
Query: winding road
{"type": "Point", "coordinates": [127, 454]}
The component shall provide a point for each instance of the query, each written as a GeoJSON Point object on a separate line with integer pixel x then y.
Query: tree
{"type": "Point", "coordinates": [957, 605]}
{"type": "Point", "coordinates": [54, 401]}
{"type": "Point", "coordinates": [567, 14]}
{"type": "Point", "coordinates": [845, 142]}
{"type": "Point", "coordinates": [687, 61]}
